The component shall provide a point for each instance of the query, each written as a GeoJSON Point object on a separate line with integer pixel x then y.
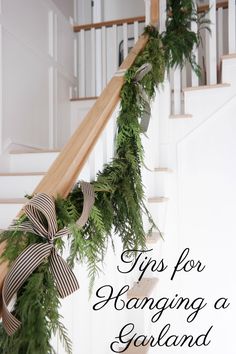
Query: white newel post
{"type": "Point", "coordinates": [211, 46]}
{"type": "Point", "coordinates": [232, 26]}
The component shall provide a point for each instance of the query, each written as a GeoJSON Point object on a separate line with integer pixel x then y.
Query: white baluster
{"type": "Point", "coordinates": [184, 77]}
{"type": "Point", "coordinates": [93, 63]}
{"type": "Point", "coordinates": [162, 15]}
{"type": "Point", "coordinates": [125, 40]}
{"type": "Point", "coordinates": [177, 91]}
{"type": "Point", "coordinates": [220, 39]}
{"type": "Point", "coordinates": [115, 43]}
{"type": "Point", "coordinates": [220, 33]}
{"type": "Point", "coordinates": [81, 63]}
{"type": "Point", "coordinates": [104, 57]}
{"type": "Point", "coordinates": [75, 56]}
{"type": "Point", "coordinates": [147, 12]}
{"type": "Point", "coordinates": [136, 31]}
{"type": "Point", "coordinates": [211, 46]}
{"type": "Point", "coordinates": [232, 25]}
{"type": "Point", "coordinates": [195, 78]}
{"type": "Point", "coordinates": [98, 62]}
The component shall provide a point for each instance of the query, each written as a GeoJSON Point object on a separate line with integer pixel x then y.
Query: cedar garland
{"type": "Point", "coordinates": [119, 203]}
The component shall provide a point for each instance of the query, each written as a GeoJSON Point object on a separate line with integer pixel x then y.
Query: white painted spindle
{"type": "Point", "coordinates": [147, 12]}
{"type": "Point", "coordinates": [220, 33]}
{"type": "Point", "coordinates": [93, 62]}
{"type": "Point", "coordinates": [125, 40]}
{"type": "Point", "coordinates": [184, 77]}
{"type": "Point", "coordinates": [104, 57]}
{"type": "Point", "coordinates": [75, 57]}
{"type": "Point", "coordinates": [211, 46]}
{"type": "Point", "coordinates": [81, 63]}
{"type": "Point", "coordinates": [195, 79]}
{"type": "Point", "coordinates": [115, 44]}
{"type": "Point", "coordinates": [162, 5]}
{"type": "Point", "coordinates": [98, 62]}
{"type": "Point", "coordinates": [177, 91]}
{"type": "Point", "coordinates": [136, 31]}
{"type": "Point", "coordinates": [232, 26]}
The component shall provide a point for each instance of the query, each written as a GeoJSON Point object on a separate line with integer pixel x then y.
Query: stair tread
{"type": "Point", "coordinates": [143, 288]}
{"type": "Point", "coordinates": [83, 98]}
{"type": "Point", "coordinates": [229, 56]}
{"type": "Point", "coordinates": [205, 87]}
{"type": "Point", "coordinates": [13, 200]}
{"type": "Point", "coordinates": [163, 169]}
{"type": "Point", "coordinates": [16, 174]}
{"type": "Point", "coordinates": [158, 199]}
{"type": "Point", "coordinates": [180, 116]}
{"type": "Point", "coordinates": [16, 152]}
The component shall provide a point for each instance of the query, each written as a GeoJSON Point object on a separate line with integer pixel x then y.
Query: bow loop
{"type": "Point", "coordinates": [41, 213]}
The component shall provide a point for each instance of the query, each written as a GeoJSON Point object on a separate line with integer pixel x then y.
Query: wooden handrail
{"type": "Point", "coordinates": [120, 22]}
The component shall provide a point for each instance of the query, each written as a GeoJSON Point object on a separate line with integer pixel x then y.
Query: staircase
{"type": "Point", "coordinates": [171, 133]}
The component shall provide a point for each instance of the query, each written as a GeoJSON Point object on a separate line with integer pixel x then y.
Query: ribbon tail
{"type": "Point", "coordinates": [65, 279]}
{"type": "Point", "coordinates": [21, 269]}
{"type": "Point", "coordinates": [143, 71]}
{"type": "Point", "coordinates": [145, 119]}
{"type": "Point", "coordinates": [89, 199]}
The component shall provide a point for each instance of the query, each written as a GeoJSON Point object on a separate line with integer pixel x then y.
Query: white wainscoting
{"type": "Point", "coordinates": [38, 73]}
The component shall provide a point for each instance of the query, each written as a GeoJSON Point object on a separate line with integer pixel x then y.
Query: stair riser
{"type": "Point", "coordinates": [31, 162]}
{"type": "Point", "coordinates": [18, 186]}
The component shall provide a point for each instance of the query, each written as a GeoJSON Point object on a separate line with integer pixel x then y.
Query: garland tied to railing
{"type": "Point", "coordinates": [119, 194]}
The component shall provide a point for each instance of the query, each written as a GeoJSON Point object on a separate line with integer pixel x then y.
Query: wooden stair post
{"type": "Point", "coordinates": [152, 12]}
{"type": "Point", "coordinates": [155, 13]}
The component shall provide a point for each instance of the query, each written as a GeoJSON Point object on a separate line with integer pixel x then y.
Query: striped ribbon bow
{"type": "Point", "coordinates": [42, 221]}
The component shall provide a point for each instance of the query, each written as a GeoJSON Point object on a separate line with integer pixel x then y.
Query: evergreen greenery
{"type": "Point", "coordinates": [119, 203]}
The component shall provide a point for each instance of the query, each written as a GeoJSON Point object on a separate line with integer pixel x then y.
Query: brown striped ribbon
{"type": "Point", "coordinates": [89, 198]}
{"type": "Point", "coordinates": [42, 221]}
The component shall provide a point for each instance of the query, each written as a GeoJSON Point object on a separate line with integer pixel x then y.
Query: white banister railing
{"type": "Point", "coordinates": [101, 49]}
{"type": "Point", "coordinates": [221, 40]}
{"type": "Point", "coordinates": [103, 46]}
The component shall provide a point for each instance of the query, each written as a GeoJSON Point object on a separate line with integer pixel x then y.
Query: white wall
{"type": "Point", "coordinates": [66, 7]}
{"type": "Point", "coordinates": [115, 9]}
{"type": "Point", "coordinates": [37, 70]}
{"type": "Point", "coordinates": [83, 11]}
